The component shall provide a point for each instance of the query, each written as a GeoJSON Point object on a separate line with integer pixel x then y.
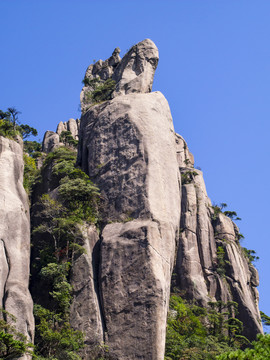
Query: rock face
{"type": "Point", "coordinates": [127, 147]}
{"type": "Point", "coordinates": [71, 125]}
{"type": "Point", "coordinates": [14, 238]}
{"type": "Point", "coordinates": [51, 140]}
{"type": "Point", "coordinates": [86, 295]}
{"type": "Point", "coordinates": [210, 263]}
{"type": "Point", "coordinates": [149, 191]}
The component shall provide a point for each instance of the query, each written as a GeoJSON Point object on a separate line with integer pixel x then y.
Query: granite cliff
{"type": "Point", "coordinates": [156, 222]}
{"type": "Point", "coordinates": [15, 239]}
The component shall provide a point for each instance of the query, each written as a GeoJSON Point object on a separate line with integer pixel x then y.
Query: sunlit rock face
{"type": "Point", "coordinates": [15, 238]}
{"type": "Point", "coordinates": [155, 217]}
{"type": "Point", "coordinates": [127, 147]}
{"type": "Point", "coordinates": [203, 235]}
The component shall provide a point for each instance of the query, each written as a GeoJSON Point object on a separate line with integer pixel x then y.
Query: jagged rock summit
{"type": "Point", "coordinates": [132, 74]}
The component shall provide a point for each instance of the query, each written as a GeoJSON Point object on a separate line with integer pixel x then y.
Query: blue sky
{"type": "Point", "coordinates": [214, 70]}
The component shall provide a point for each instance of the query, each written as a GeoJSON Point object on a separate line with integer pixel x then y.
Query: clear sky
{"type": "Point", "coordinates": [214, 70]}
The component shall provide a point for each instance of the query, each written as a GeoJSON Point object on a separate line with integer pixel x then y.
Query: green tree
{"type": "Point", "coordinates": [12, 343]}
{"type": "Point", "coordinates": [260, 350]}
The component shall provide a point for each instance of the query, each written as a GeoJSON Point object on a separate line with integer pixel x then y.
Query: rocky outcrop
{"type": "Point", "coordinates": [149, 191]}
{"type": "Point", "coordinates": [211, 264]}
{"type": "Point", "coordinates": [72, 125]}
{"type": "Point", "coordinates": [15, 238]}
{"type": "Point", "coordinates": [51, 140]}
{"type": "Point", "coordinates": [139, 182]}
{"type": "Point", "coordinates": [132, 74]}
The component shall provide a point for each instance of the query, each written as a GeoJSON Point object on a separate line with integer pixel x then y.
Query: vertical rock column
{"type": "Point", "coordinates": [14, 238]}
{"type": "Point", "coordinates": [204, 233]}
{"type": "Point", "coordinates": [128, 149]}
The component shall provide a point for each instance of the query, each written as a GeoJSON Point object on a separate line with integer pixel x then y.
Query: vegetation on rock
{"type": "Point", "coordinates": [58, 241]}
{"type": "Point", "coordinates": [10, 128]}
{"type": "Point", "coordinates": [196, 333]}
{"type": "Point", "coordinates": [98, 90]}
{"type": "Point", "coordinates": [12, 343]}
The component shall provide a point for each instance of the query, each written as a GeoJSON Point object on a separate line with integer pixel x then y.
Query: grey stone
{"type": "Point", "coordinates": [71, 125]}
{"type": "Point", "coordinates": [197, 263]}
{"type": "Point", "coordinates": [15, 238]}
{"type": "Point", "coordinates": [184, 156]}
{"type": "Point", "coordinates": [127, 146]}
{"type": "Point", "coordinates": [85, 312]}
{"type": "Point", "coordinates": [133, 74]}
{"type": "Point", "coordinates": [136, 71]}
{"type": "Point", "coordinates": [50, 141]}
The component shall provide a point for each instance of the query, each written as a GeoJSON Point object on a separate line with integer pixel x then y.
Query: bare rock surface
{"type": "Point", "coordinates": [50, 141]}
{"type": "Point", "coordinates": [132, 74]}
{"type": "Point", "coordinates": [203, 234]}
{"type": "Point", "coordinates": [15, 238]}
{"type": "Point", "coordinates": [135, 72]}
{"type": "Point", "coordinates": [127, 146]}
{"type": "Point", "coordinates": [71, 125]}
{"type": "Point", "coordinates": [85, 313]}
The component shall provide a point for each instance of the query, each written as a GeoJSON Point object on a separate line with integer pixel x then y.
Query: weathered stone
{"type": "Point", "coordinates": [85, 313]}
{"type": "Point", "coordinates": [138, 178]}
{"type": "Point", "coordinates": [71, 125]}
{"type": "Point", "coordinates": [15, 238]}
{"type": "Point", "coordinates": [50, 141]}
{"type": "Point", "coordinates": [135, 274]}
{"type": "Point", "coordinates": [135, 73]}
{"type": "Point", "coordinates": [184, 156]}
{"type": "Point", "coordinates": [199, 274]}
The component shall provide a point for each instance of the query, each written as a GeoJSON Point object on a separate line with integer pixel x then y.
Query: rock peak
{"type": "Point", "coordinates": [132, 74]}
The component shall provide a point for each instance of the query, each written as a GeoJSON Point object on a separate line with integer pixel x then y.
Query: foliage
{"type": "Point", "coordinates": [188, 176]}
{"type": "Point", "coordinates": [221, 261]}
{"type": "Point", "coordinates": [99, 90]}
{"type": "Point", "coordinates": [27, 130]}
{"type": "Point", "coordinates": [12, 343]}
{"type": "Point", "coordinates": [9, 125]}
{"type": "Point", "coordinates": [197, 333]}
{"type": "Point", "coordinates": [60, 240]}
{"type": "Point", "coordinates": [67, 138]}
{"type": "Point", "coordinates": [55, 338]}
{"type": "Point", "coordinates": [32, 147]}
{"type": "Point", "coordinates": [260, 350]}
{"type": "Point", "coordinates": [218, 209]}
{"type": "Point", "coordinates": [30, 173]}
{"type": "Point", "coordinates": [60, 154]}
{"type": "Point", "coordinates": [250, 255]}
{"type": "Point", "coordinates": [232, 215]}
{"type": "Point", "coordinates": [265, 319]}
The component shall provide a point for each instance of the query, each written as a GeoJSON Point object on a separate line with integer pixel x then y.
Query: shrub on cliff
{"type": "Point", "coordinates": [10, 128]}
{"type": "Point", "coordinates": [259, 350]}
{"type": "Point", "coordinates": [58, 241]}
{"type": "Point", "coordinates": [12, 343]}
{"type": "Point", "coordinates": [196, 333]}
